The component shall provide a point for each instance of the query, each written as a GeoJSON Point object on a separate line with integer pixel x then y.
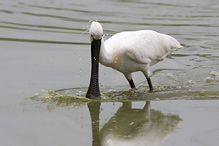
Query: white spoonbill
{"type": "Point", "coordinates": [127, 52]}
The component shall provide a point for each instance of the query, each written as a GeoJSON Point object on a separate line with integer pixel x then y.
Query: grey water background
{"type": "Point", "coordinates": [44, 45]}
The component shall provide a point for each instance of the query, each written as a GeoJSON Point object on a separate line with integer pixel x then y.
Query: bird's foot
{"type": "Point", "coordinates": [151, 90]}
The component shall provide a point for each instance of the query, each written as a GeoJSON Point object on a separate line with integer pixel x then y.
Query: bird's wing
{"type": "Point", "coordinates": [150, 47]}
{"type": "Point", "coordinates": [144, 46]}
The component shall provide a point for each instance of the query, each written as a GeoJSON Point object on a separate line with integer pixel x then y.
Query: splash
{"type": "Point", "coordinates": [174, 89]}
{"type": "Point", "coordinates": [61, 98]}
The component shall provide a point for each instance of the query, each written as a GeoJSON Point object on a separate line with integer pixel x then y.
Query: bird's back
{"type": "Point", "coordinates": [144, 46]}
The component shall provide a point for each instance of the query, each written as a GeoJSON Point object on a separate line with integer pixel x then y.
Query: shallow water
{"type": "Point", "coordinates": [45, 72]}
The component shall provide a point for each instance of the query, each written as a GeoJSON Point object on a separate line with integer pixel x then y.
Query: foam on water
{"type": "Point", "coordinates": [75, 97]}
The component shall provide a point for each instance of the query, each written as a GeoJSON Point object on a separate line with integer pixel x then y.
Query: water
{"type": "Point", "coordinates": [45, 72]}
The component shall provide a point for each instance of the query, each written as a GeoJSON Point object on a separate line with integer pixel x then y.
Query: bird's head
{"type": "Point", "coordinates": [96, 31]}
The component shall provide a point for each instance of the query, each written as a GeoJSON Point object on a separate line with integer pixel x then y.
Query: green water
{"type": "Point", "coordinates": [45, 72]}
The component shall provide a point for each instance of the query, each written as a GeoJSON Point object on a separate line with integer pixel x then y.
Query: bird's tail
{"type": "Point", "coordinates": [174, 44]}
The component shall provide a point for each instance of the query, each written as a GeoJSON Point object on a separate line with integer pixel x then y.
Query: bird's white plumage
{"type": "Point", "coordinates": [96, 31]}
{"type": "Point", "coordinates": [132, 51]}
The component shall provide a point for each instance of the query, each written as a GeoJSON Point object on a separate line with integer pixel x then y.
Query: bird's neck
{"type": "Point", "coordinates": [105, 55]}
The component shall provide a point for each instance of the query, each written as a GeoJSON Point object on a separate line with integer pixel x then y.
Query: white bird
{"type": "Point", "coordinates": [127, 52]}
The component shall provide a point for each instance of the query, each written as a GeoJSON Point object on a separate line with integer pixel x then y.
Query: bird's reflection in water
{"type": "Point", "coordinates": [94, 108]}
{"type": "Point", "coordinates": [130, 126]}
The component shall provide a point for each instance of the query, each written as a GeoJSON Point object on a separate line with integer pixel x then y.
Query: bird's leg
{"type": "Point", "coordinates": [147, 75]}
{"type": "Point", "coordinates": [150, 84]}
{"type": "Point", "coordinates": [129, 78]}
{"type": "Point", "coordinates": [131, 83]}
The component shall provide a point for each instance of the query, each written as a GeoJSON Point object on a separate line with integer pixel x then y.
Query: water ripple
{"type": "Point", "coordinates": [194, 23]}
